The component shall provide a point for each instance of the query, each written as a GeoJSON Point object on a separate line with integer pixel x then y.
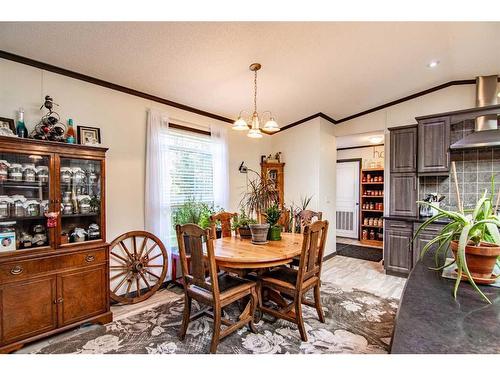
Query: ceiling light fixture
{"type": "Point", "coordinates": [433, 64]}
{"type": "Point", "coordinates": [271, 125]}
{"type": "Point", "coordinates": [375, 139]}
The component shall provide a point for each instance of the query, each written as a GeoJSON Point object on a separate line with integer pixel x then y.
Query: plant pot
{"type": "Point", "coordinates": [274, 233]}
{"type": "Point", "coordinates": [481, 260]}
{"type": "Point", "coordinates": [259, 233]}
{"type": "Point", "coordinates": [244, 232]}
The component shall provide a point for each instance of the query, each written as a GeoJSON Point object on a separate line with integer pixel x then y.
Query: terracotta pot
{"type": "Point", "coordinates": [480, 259]}
{"type": "Point", "coordinates": [245, 232]}
{"type": "Point", "coordinates": [259, 233]}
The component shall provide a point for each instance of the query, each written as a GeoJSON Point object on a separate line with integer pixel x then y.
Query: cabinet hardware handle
{"type": "Point", "coordinates": [89, 258]}
{"type": "Point", "coordinates": [398, 226]}
{"type": "Point", "coordinates": [17, 270]}
{"type": "Point", "coordinates": [59, 300]}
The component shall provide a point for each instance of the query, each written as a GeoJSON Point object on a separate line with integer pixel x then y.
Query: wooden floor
{"type": "Point", "coordinates": [349, 273]}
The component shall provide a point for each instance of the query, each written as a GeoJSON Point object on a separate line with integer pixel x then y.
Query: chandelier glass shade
{"type": "Point", "coordinates": [254, 130]}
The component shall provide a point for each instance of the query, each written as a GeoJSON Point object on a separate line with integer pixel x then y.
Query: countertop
{"type": "Point", "coordinates": [429, 320]}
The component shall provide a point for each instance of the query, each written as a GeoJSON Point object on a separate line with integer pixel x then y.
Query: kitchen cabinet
{"type": "Point", "coordinates": [403, 194]}
{"type": "Point", "coordinates": [403, 149]}
{"type": "Point", "coordinates": [434, 146]}
{"type": "Point", "coordinates": [423, 238]}
{"type": "Point", "coordinates": [398, 247]}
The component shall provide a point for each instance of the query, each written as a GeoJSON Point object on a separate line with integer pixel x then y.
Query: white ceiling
{"type": "Point", "coordinates": [337, 68]}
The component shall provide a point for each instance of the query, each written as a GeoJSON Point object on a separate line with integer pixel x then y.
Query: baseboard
{"type": "Point", "coordinates": [329, 256]}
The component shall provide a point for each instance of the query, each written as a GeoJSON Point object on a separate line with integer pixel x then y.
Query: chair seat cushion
{"type": "Point", "coordinates": [228, 286]}
{"type": "Point", "coordinates": [285, 277]}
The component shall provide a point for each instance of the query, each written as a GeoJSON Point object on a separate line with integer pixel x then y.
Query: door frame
{"type": "Point", "coordinates": [360, 166]}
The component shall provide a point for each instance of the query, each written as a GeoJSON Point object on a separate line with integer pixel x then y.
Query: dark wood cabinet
{"type": "Point", "coordinates": [434, 146]}
{"type": "Point", "coordinates": [403, 194]}
{"type": "Point", "coordinates": [403, 149]}
{"type": "Point", "coordinates": [398, 247]}
{"type": "Point", "coordinates": [82, 294]}
{"type": "Point", "coordinates": [423, 238]}
{"type": "Point", "coordinates": [28, 308]}
{"type": "Point", "coordinates": [63, 281]}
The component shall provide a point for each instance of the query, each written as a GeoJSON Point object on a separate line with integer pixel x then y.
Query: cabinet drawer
{"type": "Point", "coordinates": [394, 224]}
{"type": "Point", "coordinates": [14, 271]}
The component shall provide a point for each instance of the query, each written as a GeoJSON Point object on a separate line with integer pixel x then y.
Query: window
{"type": "Point", "coordinates": [190, 157]}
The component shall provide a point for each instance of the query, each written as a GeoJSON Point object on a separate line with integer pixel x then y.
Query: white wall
{"type": "Point", "coordinates": [122, 120]}
{"type": "Point", "coordinates": [368, 155]}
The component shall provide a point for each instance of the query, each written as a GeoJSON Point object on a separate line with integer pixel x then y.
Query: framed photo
{"type": "Point", "coordinates": [7, 123]}
{"type": "Point", "coordinates": [89, 136]}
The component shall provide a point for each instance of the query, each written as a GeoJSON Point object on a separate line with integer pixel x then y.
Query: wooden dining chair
{"type": "Point", "coordinates": [215, 291]}
{"type": "Point", "coordinates": [305, 217]}
{"type": "Point", "coordinates": [290, 284]}
{"type": "Point", "coordinates": [225, 219]}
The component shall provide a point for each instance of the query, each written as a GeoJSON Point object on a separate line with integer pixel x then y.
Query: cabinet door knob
{"type": "Point", "coordinates": [57, 301]}
{"type": "Point", "coordinates": [17, 270]}
{"type": "Point", "coordinates": [89, 258]}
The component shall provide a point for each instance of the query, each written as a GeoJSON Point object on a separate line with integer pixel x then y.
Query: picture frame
{"type": "Point", "coordinates": [8, 123]}
{"type": "Point", "coordinates": [88, 136]}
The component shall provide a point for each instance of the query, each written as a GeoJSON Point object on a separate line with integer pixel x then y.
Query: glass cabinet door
{"type": "Point", "coordinates": [24, 199]}
{"type": "Point", "coordinates": [80, 200]}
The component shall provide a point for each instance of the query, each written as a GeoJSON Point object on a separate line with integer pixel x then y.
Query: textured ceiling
{"type": "Point", "coordinates": [337, 68]}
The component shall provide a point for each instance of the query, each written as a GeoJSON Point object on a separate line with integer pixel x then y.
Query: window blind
{"type": "Point", "coordinates": [191, 174]}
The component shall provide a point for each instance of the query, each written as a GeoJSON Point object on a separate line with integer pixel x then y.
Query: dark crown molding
{"type": "Point", "coordinates": [96, 81]}
{"type": "Point", "coordinates": [82, 77]}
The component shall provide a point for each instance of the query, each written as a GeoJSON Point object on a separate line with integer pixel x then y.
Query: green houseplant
{"type": "Point", "coordinates": [273, 214]}
{"type": "Point", "coordinates": [260, 195]}
{"type": "Point", "coordinates": [241, 224]}
{"type": "Point", "coordinates": [474, 239]}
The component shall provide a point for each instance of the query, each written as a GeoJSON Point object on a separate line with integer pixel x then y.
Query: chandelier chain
{"type": "Point", "coordinates": [255, 92]}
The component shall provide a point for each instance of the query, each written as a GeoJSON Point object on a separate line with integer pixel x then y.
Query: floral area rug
{"type": "Point", "coordinates": [356, 322]}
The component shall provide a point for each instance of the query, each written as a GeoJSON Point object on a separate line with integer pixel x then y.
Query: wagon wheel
{"type": "Point", "coordinates": [138, 266]}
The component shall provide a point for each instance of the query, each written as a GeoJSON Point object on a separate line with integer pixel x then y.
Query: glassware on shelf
{"type": "Point", "coordinates": [94, 232]}
{"type": "Point", "coordinates": [84, 204]}
{"type": "Point", "coordinates": [78, 235]}
{"type": "Point", "coordinates": [29, 172]}
{"type": "Point", "coordinates": [78, 176]}
{"type": "Point", "coordinates": [4, 170]}
{"type": "Point", "coordinates": [32, 208]}
{"type": "Point", "coordinates": [42, 174]}
{"type": "Point", "coordinates": [66, 175]}
{"type": "Point", "coordinates": [17, 208]}
{"type": "Point", "coordinates": [5, 206]}
{"type": "Point", "coordinates": [25, 240]}
{"type": "Point", "coordinates": [16, 172]}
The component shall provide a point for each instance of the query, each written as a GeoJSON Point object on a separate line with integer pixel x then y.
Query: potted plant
{"type": "Point", "coordinates": [474, 239]}
{"type": "Point", "coordinates": [241, 224]}
{"type": "Point", "coordinates": [260, 195]}
{"type": "Point", "coordinates": [273, 214]}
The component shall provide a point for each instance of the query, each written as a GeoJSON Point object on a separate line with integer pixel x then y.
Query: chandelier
{"type": "Point", "coordinates": [255, 119]}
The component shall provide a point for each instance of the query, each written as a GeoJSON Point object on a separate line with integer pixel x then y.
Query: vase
{"type": "Point", "coordinates": [480, 260]}
{"type": "Point", "coordinates": [259, 233]}
{"type": "Point", "coordinates": [274, 233]}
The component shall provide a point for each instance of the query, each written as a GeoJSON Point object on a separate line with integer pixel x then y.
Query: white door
{"type": "Point", "coordinates": [348, 199]}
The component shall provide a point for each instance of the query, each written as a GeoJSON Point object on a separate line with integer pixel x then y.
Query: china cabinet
{"type": "Point", "coordinates": [53, 255]}
{"type": "Point", "coordinates": [274, 174]}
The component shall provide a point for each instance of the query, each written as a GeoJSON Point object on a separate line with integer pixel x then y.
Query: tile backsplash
{"type": "Point", "coordinates": [474, 171]}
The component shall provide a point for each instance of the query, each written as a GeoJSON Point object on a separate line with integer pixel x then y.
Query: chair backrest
{"type": "Point", "coordinates": [306, 217]}
{"type": "Point", "coordinates": [225, 221]}
{"type": "Point", "coordinates": [313, 247]}
{"type": "Point", "coordinates": [197, 238]}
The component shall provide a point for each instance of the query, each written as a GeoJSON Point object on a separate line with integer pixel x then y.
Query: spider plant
{"type": "Point", "coordinates": [468, 227]}
{"type": "Point", "coordinates": [260, 195]}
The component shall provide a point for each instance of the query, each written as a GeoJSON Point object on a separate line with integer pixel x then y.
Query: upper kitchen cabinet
{"type": "Point", "coordinates": [403, 149]}
{"type": "Point", "coordinates": [434, 146]}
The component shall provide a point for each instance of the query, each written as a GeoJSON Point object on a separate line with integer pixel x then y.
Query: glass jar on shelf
{"type": "Point", "coordinates": [42, 174]}
{"type": "Point", "coordinates": [25, 240]}
{"type": "Point", "coordinates": [17, 207]}
{"type": "Point", "coordinates": [94, 232]}
{"type": "Point", "coordinates": [364, 234]}
{"type": "Point", "coordinates": [32, 208]}
{"type": "Point", "coordinates": [5, 206]}
{"type": "Point", "coordinates": [29, 172]}
{"type": "Point", "coordinates": [4, 170]}
{"type": "Point", "coordinates": [66, 175]}
{"type": "Point", "coordinates": [84, 204]}
{"type": "Point", "coordinates": [78, 176]}
{"type": "Point", "coordinates": [371, 236]}
{"type": "Point", "coordinates": [16, 172]}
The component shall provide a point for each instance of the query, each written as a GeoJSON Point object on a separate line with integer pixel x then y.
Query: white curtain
{"type": "Point", "coordinates": [220, 163]}
{"type": "Point", "coordinates": [157, 193]}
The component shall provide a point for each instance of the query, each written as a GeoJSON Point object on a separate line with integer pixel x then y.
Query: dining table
{"type": "Point", "coordinates": [241, 254]}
